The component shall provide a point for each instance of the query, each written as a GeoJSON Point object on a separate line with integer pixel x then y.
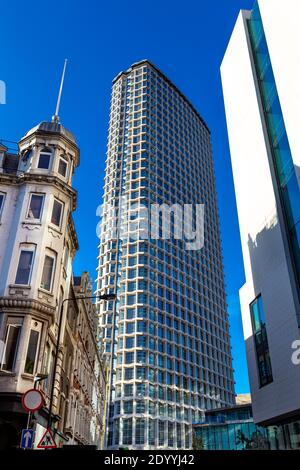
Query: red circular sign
{"type": "Point", "coordinates": [32, 400]}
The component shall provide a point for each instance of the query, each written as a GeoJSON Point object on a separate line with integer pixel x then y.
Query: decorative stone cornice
{"type": "Point", "coordinates": [22, 178]}
{"type": "Point", "coordinates": [27, 304]}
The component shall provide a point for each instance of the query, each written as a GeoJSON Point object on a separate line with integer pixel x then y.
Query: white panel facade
{"type": "Point", "coordinates": [281, 25]}
{"type": "Point", "coordinates": [264, 249]}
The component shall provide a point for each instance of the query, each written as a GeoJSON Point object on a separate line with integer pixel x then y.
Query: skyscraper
{"type": "Point", "coordinates": [167, 333]}
{"type": "Point", "coordinates": [260, 75]}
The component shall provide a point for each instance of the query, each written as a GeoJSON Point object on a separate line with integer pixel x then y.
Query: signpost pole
{"type": "Point", "coordinates": [28, 420]}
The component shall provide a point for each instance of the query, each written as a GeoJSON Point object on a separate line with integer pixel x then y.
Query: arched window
{"type": "Point", "coordinates": [45, 158]}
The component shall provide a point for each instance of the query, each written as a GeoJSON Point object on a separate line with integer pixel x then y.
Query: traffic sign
{"type": "Point", "coordinates": [47, 441]}
{"type": "Point", "coordinates": [27, 439]}
{"type": "Point", "coordinates": [32, 400]}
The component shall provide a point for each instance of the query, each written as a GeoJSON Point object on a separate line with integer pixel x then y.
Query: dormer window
{"type": "Point", "coordinates": [63, 167]}
{"type": "Point", "coordinates": [26, 154]}
{"type": "Point", "coordinates": [44, 159]}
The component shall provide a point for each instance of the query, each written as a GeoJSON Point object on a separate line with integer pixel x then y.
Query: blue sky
{"type": "Point", "coordinates": [186, 40]}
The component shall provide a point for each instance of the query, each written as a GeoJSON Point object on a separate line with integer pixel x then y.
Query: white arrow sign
{"type": "Point", "coordinates": [27, 439]}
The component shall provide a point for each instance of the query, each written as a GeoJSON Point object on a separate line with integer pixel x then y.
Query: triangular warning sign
{"type": "Point", "coordinates": [47, 441]}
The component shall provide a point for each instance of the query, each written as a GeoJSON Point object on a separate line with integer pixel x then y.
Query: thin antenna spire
{"type": "Point", "coordinates": [56, 117]}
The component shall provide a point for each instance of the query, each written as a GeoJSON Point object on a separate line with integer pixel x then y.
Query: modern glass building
{"type": "Point", "coordinates": [231, 428]}
{"type": "Point", "coordinates": [166, 335]}
{"type": "Point", "coordinates": [260, 76]}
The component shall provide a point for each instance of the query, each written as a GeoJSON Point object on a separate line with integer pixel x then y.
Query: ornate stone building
{"type": "Point", "coordinates": [37, 245]}
{"type": "Point", "coordinates": [84, 373]}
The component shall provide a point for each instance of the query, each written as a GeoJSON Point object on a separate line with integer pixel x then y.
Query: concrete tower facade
{"type": "Point", "coordinates": [167, 333]}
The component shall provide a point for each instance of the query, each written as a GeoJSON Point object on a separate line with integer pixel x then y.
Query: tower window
{"type": "Point", "coordinates": [2, 197]}
{"type": "Point", "coordinates": [33, 345]}
{"type": "Point", "coordinates": [11, 342]}
{"type": "Point", "coordinates": [57, 213]}
{"type": "Point", "coordinates": [35, 206]}
{"type": "Point", "coordinates": [44, 160]}
{"type": "Point", "coordinates": [63, 167]}
{"type": "Point", "coordinates": [24, 267]}
{"type": "Point", "coordinates": [48, 271]}
{"type": "Point", "coordinates": [127, 431]}
{"type": "Point", "coordinates": [26, 154]}
{"type": "Point", "coordinates": [140, 431]}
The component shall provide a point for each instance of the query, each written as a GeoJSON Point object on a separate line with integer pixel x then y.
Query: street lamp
{"type": "Point", "coordinates": [72, 299]}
